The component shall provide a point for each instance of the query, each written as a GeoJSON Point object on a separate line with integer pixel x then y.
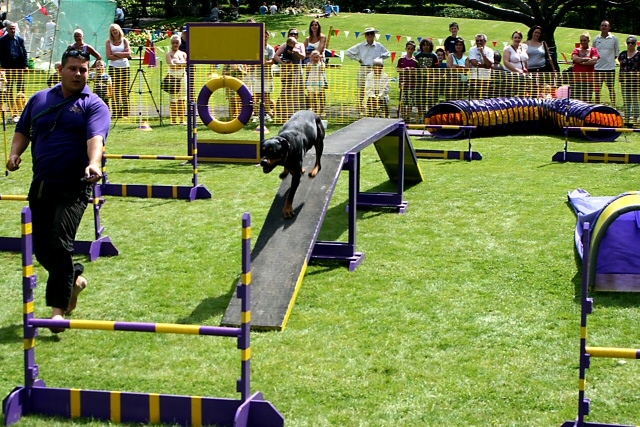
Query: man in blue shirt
{"type": "Point", "coordinates": [67, 126]}
{"type": "Point", "coordinates": [13, 59]}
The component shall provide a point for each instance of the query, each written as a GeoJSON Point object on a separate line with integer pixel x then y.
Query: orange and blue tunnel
{"type": "Point", "coordinates": [495, 116]}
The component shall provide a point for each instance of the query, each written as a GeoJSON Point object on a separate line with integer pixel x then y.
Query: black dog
{"type": "Point", "coordinates": [303, 131]}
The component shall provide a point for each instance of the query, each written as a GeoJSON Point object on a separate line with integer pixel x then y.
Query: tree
{"type": "Point", "coordinates": [548, 14]}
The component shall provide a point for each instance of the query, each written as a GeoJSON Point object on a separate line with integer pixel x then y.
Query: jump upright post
{"type": "Point", "coordinates": [124, 407]}
{"type": "Point", "coordinates": [99, 246]}
{"type": "Point", "coordinates": [592, 236]}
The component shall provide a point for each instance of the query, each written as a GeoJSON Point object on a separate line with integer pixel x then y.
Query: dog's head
{"type": "Point", "coordinates": [273, 152]}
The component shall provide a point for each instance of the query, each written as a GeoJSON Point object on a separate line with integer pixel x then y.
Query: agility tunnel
{"type": "Point", "coordinates": [607, 239]}
{"type": "Point", "coordinates": [523, 115]}
{"type": "Point", "coordinates": [614, 224]}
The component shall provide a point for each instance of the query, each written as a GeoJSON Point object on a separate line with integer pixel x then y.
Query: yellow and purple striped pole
{"type": "Point", "coordinates": [244, 292]}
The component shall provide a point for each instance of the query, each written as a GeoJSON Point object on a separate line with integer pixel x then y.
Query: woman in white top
{"type": "Point", "coordinates": [457, 62]}
{"type": "Point", "coordinates": [316, 40]}
{"type": "Point", "coordinates": [177, 62]}
{"type": "Point", "coordinates": [537, 51]}
{"type": "Point", "coordinates": [515, 55]}
{"type": "Point", "coordinates": [118, 54]}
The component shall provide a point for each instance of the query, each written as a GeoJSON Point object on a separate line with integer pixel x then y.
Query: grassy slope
{"type": "Point", "coordinates": [463, 313]}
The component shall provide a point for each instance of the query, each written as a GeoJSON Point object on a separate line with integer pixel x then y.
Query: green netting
{"type": "Point", "coordinates": [47, 27]}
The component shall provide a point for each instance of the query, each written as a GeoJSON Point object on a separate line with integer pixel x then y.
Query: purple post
{"type": "Point", "coordinates": [244, 293]}
{"type": "Point", "coordinates": [29, 282]}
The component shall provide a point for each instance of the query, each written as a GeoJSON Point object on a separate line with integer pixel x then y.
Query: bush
{"type": "Point", "coordinates": [460, 12]}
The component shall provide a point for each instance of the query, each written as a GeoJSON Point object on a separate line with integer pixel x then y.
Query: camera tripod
{"type": "Point", "coordinates": [140, 72]}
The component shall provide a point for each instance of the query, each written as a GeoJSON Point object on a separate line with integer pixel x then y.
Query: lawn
{"type": "Point", "coordinates": [464, 313]}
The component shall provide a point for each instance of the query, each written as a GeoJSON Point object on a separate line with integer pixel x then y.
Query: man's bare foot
{"type": "Point", "coordinates": [57, 314]}
{"type": "Point", "coordinates": [79, 286]}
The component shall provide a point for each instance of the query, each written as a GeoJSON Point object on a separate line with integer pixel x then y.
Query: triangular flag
{"type": "Point", "coordinates": [138, 31]}
{"type": "Point", "coordinates": [169, 33]}
{"type": "Point", "coordinates": [44, 11]}
{"type": "Point", "coordinates": [393, 56]}
{"type": "Point", "coordinates": [333, 53]}
{"type": "Point", "coordinates": [29, 19]}
{"type": "Point", "coordinates": [408, 38]}
{"type": "Point", "coordinates": [357, 34]}
{"type": "Point", "coordinates": [346, 33]}
{"type": "Point", "coordinates": [153, 58]}
{"type": "Point", "coordinates": [388, 36]}
{"type": "Point", "coordinates": [284, 33]}
{"type": "Point", "coordinates": [273, 35]}
{"type": "Point", "coordinates": [337, 32]}
{"type": "Point", "coordinates": [342, 56]}
{"type": "Point", "coordinates": [377, 36]}
{"type": "Point", "coordinates": [398, 37]}
{"type": "Point", "coordinates": [147, 52]}
{"type": "Point", "coordinates": [419, 39]}
{"type": "Point", "coordinates": [304, 32]}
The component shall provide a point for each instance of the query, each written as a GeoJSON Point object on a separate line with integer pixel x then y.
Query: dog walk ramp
{"type": "Point", "coordinates": [282, 250]}
{"type": "Point", "coordinates": [284, 247]}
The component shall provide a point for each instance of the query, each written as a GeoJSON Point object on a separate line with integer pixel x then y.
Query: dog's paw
{"type": "Point", "coordinates": [288, 213]}
{"type": "Point", "coordinates": [314, 172]}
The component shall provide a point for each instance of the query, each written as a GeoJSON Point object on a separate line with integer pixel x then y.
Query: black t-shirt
{"type": "Point", "coordinates": [449, 44]}
{"type": "Point", "coordinates": [426, 60]}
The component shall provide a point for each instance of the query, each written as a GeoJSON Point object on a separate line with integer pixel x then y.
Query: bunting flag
{"type": "Point", "coordinates": [346, 33]}
{"type": "Point", "coordinates": [29, 19]}
{"type": "Point", "coordinates": [408, 38]}
{"type": "Point", "coordinates": [44, 11]}
{"type": "Point", "coordinates": [126, 31]}
{"type": "Point", "coordinates": [419, 39]}
{"type": "Point", "coordinates": [147, 53]}
{"type": "Point", "coordinates": [393, 56]}
{"type": "Point", "coordinates": [357, 34]}
{"type": "Point", "coordinates": [284, 33]}
{"type": "Point", "coordinates": [377, 36]}
{"type": "Point", "coordinates": [169, 33]}
{"type": "Point", "coordinates": [138, 31]}
{"type": "Point", "coordinates": [336, 32]}
{"type": "Point", "coordinates": [494, 43]}
{"type": "Point", "coordinates": [388, 36]}
{"type": "Point", "coordinates": [273, 35]}
{"type": "Point", "coordinates": [342, 55]}
{"type": "Point", "coordinates": [398, 37]}
{"type": "Point", "coordinates": [304, 32]}
{"type": "Point", "coordinates": [153, 58]}
{"type": "Point", "coordinates": [333, 53]}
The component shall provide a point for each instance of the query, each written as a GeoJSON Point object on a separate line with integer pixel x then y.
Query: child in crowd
{"type": "Point", "coordinates": [376, 91]}
{"type": "Point", "coordinates": [427, 79]}
{"type": "Point", "coordinates": [442, 58]}
{"type": "Point", "coordinates": [253, 82]}
{"type": "Point", "coordinates": [287, 55]}
{"type": "Point", "coordinates": [407, 71]}
{"type": "Point", "coordinates": [102, 84]}
{"type": "Point", "coordinates": [235, 103]}
{"type": "Point", "coordinates": [54, 77]}
{"type": "Point", "coordinates": [450, 41]}
{"type": "Point", "coordinates": [316, 83]}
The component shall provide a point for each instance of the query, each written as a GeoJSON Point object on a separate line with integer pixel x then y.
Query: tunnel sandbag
{"type": "Point", "coordinates": [523, 115]}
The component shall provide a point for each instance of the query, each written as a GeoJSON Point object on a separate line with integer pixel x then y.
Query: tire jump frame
{"type": "Point", "coordinates": [124, 407]}
{"type": "Point", "coordinates": [184, 192]}
{"type": "Point", "coordinates": [592, 236]}
{"type": "Point", "coordinates": [522, 115]}
{"type": "Point", "coordinates": [99, 246]}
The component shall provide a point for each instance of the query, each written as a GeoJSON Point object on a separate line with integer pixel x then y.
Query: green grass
{"type": "Point", "coordinates": [463, 313]}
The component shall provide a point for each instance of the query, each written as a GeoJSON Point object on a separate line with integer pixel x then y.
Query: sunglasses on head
{"type": "Point", "coordinates": [293, 34]}
{"type": "Point", "coordinates": [74, 53]}
{"type": "Point", "coordinates": [631, 42]}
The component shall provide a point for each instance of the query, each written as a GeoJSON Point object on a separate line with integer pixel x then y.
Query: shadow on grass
{"type": "Point", "coordinates": [10, 333]}
{"type": "Point", "coordinates": [210, 307]}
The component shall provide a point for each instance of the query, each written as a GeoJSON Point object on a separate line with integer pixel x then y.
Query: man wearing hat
{"type": "Point", "coordinates": [365, 53]}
